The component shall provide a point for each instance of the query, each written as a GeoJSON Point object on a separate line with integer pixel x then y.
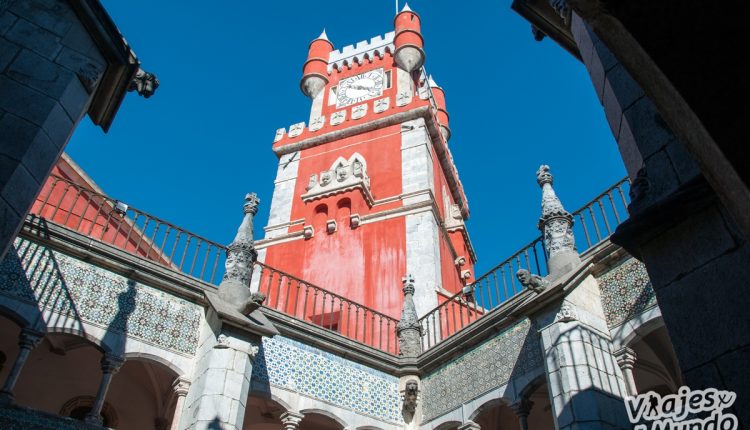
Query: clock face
{"type": "Point", "coordinates": [359, 88]}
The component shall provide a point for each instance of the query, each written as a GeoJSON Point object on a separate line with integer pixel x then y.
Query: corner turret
{"type": "Point", "coordinates": [409, 44]}
{"type": "Point", "coordinates": [315, 70]}
{"type": "Point", "coordinates": [442, 113]}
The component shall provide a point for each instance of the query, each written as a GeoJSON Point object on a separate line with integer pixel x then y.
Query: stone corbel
{"type": "Point", "coordinates": [308, 231]}
{"type": "Point", "coordinates": [355, 220]}
{"type": "Point", "coordinates": [460, 261]}
{"type": "Point", "coordinates": [410, 399]}
{"type": "Point", "coordinates": [466, 275]}
{"type": "Point", "coordinates": [567, 313]}
{"type": "Point", "coordinates": [225, 342]}
{"type": "Point", "coordinates": [331, 226]}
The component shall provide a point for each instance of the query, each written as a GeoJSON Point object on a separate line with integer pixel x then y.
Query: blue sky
{"type": "Point", "coordinates": [229, 73]}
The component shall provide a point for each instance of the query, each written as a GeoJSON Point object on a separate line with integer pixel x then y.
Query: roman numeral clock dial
{"type": "Point", "coordinates": [359, 88]}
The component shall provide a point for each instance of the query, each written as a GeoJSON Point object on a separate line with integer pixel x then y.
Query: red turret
{"type": "Point", "coordinates": [315, 70]}
{"type": "Point", "coordinates": [442, 113]}
{"type": "Point", "coordinates": [409, 54]}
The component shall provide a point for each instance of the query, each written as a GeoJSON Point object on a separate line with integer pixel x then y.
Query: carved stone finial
{"type": "Point", "coordinates": [556, 225]}
{"type": "Point", "coordinates": [408, 329]}
{"type": "Point", "coordinates": [531, 281]}
{"type": "Point", "coordinates": [144, 83]}
{"type": "Point", "coordinates": [241, 255]}
{"type": "Point", "coordinates": [543, 175]}
{"type": "Point", "coordinates": [251, 203]}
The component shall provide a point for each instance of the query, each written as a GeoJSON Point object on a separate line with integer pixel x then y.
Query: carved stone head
{"type": "Point", "coordinates": [341, 172]}
{"type": "Point", "coordinates": [326, 178]}
{"type": "Point", "coordinates": [357, 168]}
{"type": "Point", "coordinates": [524, 277]}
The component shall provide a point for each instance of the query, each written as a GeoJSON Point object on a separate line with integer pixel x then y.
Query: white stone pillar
{"type": "Point", "coordinates": [27, 341]}
{"type": "Point", "coordinates": [221, 382]}
{"type": "Point", "coordinates": [110, 365]}
{"type": "Point", "coordinates": [291, 420]}
{"type": "Point", "coordinates": [584, 380]}
{"type": "Point", "coordinates": [180, 388]}
{"type": "Point", "coordinates": [522, 408]}
{"type": "Point", "coordinates": [469, 425]}
{"type": "Point", "coordinates": [626, 360]}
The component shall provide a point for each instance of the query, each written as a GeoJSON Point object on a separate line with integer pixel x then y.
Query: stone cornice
{"type": "Point", "coordinates": [524, 305]}
{"type": "Point", "coordinates": [112, 258]}
{"type": "Point", "coordinates": [424, 112]}
{"type": "Point", "coordinates": [122, 64]}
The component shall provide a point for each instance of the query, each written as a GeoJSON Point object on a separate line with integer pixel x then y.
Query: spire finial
{"type": "Point", "coordinates": [409, 330]}
{"type": "Point", "coordinates": [251, 203]}
{"type": "Point", "coordinates": [238, 268]}
{"type": "Point", "coordinates": [432, 82]}
{"type": "Point", "coordinates": [556, 225]}
{"type": "Point", "coordinates": [323, 35]}
{"type": "Point", "coordinates": [406, 8]}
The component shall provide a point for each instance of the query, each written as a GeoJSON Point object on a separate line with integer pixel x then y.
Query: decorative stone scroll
{"type": "Point", "coordinates": [317, 123]}
{"type": "Point", "coordinates": [381, 105]}
{"type": "Point", "coordinates": [359, 111]}
{"type": "Point", "coordinates": [338, 117]}
{"type": "Point", "coordinates": [279, 134]}
{"type": "Point", "coordinates": [403, 98]}
{"type": "Point", "coordinates": [344, 175]}
{"type": "Point", "coordinates": [296, 129]}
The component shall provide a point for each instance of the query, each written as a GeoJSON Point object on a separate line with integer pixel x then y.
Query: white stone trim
{"type": "Point", "coordinates": [283, 193]}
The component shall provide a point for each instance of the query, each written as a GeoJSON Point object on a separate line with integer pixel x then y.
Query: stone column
{"type": "Point", "coordinates": [110, 365]}
{"type": "Point", "coordinates": [522, 408]}
{"type": "Point", "coordinates": [626, 360]}
{"type": "Point", "coordinates": [221, 383]}
{"type": "Point", "coordinates": [290, 420]}
{"type": "Point", "coordinates": [584, 381]}
{"type": "Point", "coordinates": [469, 425]}
{"type": "Point", "coordinates": [27, 341]}
{"type": "Point", "coordinates": [180, 388]}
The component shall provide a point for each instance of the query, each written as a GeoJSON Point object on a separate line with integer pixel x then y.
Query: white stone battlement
{"type": "Point", "coordinates": [364, 50]}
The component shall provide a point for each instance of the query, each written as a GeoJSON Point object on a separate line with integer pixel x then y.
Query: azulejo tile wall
{"type": "Point", "coordinates": [79, 290]}
{"type": "Point", "coordinates": [626, 292]}
{"type": "Point", "coordinates": [290, 364]}
{"type": "Point", "coordinates": [512, 353]}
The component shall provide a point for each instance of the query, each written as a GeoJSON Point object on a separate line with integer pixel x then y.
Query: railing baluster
{"type": "Point", "coordinates": [585, 230]}
{"type": "Point", "coordinates": [614, 207]}
{"type": "Point", "coordinates": [604, 216]}
{"type": "Point", "coordinates": [596, 226]}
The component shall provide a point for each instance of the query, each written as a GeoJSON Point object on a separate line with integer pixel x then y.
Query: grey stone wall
{"type": "Point", "coordinates": [695, 256]}
{"type": "Point", "coordinates": [643, 138]}
{"type": "Point", "coordinates": [49, 67]}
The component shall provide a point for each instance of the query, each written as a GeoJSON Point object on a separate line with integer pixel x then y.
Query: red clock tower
{"type": "Point", "coordinates": [367, 191]}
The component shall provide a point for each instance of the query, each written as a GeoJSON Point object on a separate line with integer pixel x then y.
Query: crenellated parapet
{"type": "Point", "coordinates": [361, 52]}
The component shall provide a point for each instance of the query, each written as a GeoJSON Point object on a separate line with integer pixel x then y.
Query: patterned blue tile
{"type": "Point", "coordinates": [293, 365]}
{"type": "Point", "coordinates": [626, 292]}
{"type": "Point", "coordinates": [514, 352]}
{"type": "Point", "coordinates": [66, 285]}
